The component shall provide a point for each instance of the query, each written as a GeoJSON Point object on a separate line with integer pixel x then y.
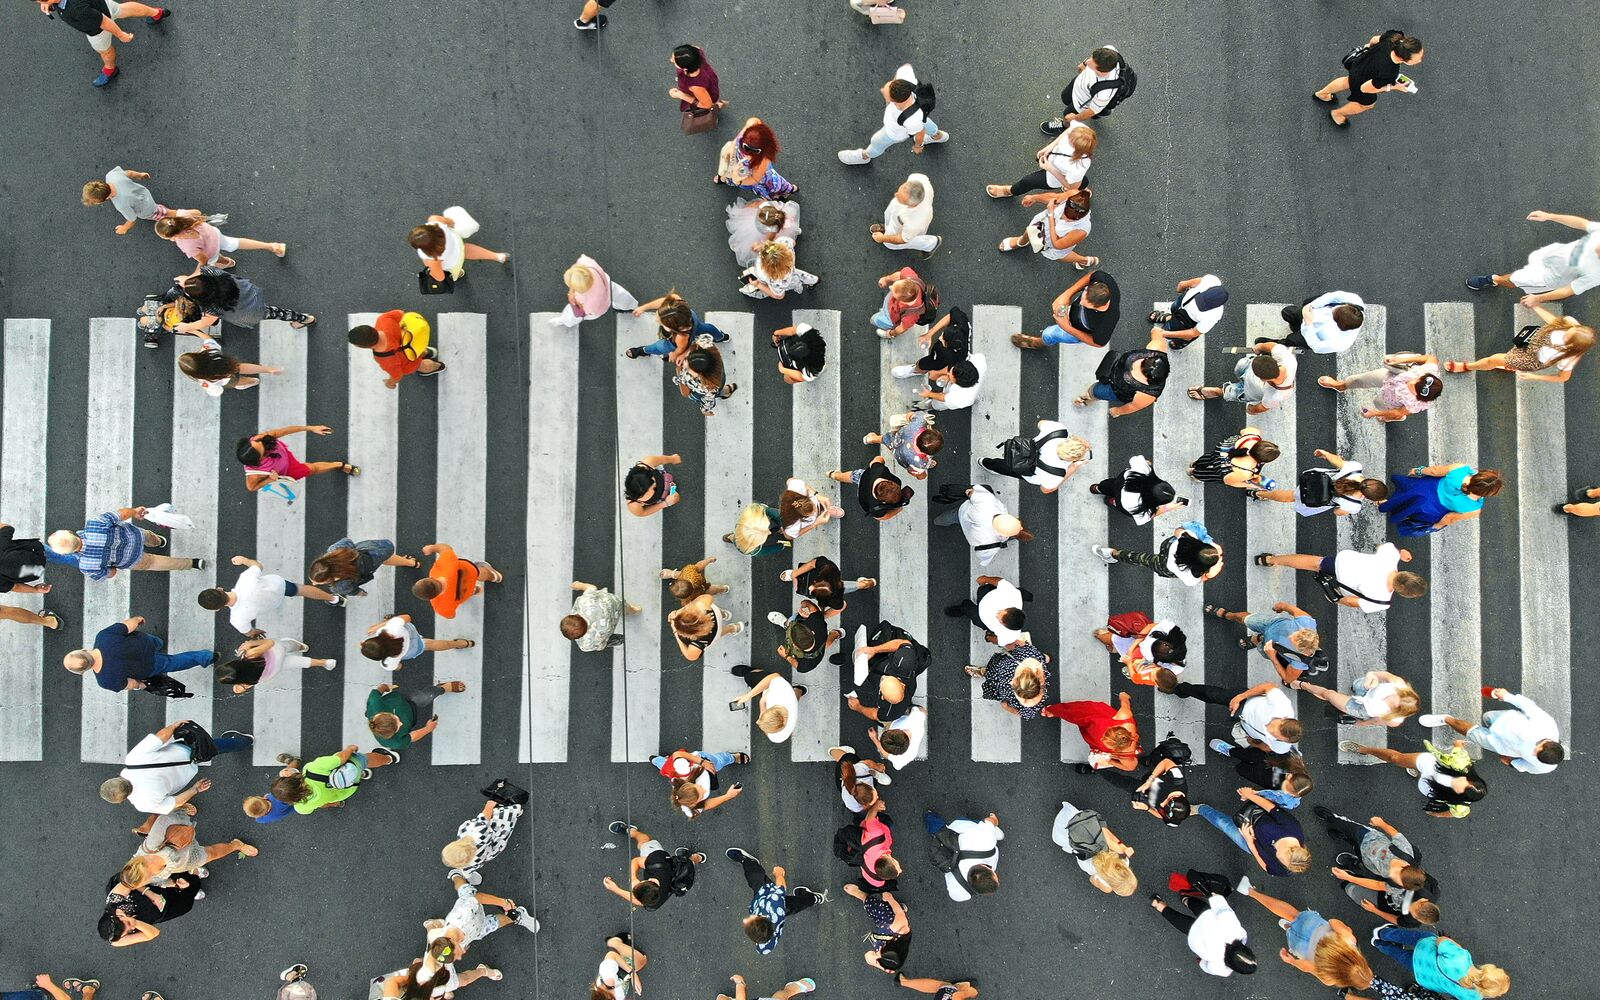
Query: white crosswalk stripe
{"type": "Point", "coordinates": [202, 483]}
{"type": "Point", "coordinates": [1270, 527]}
{"type": "Point", "coordinates": [902, 540]}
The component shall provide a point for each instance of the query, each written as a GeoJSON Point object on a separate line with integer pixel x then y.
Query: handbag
{"type": "Point", "coordinates": [194, 736]}
{"type": "Point", "coordinates": [886, 14]}
{"type": "Point", "coordinates": [1524, 336]}
{"type": "Point", "coordinates": [1335, 591]}
{"type": "Point", "coordinates": [697, 120]}
{"type": "Point", "coordinates": [1107, 369]}
{"type": "Point", "coordinates": [166, 687]}
{"type": "Point", "coordinates": [429, 285]}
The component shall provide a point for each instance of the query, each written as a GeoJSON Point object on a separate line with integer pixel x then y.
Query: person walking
{"type": "Point", "coordinates": [618, 977]}
{"type": "Point", "coordinates": [912, 439]}
{"type": "Point", "coordinates": [1213, 931]}
{"type": "Point", "coordinates": [1524, 736]}
{"type": "Point", "coordinates": [123, 658]}
{"type": "Point", "coordinates": [1100, 854]}
{"type": "Point", "coordinates": [268, 460]}
{"type": "Point", "coordinates": [696, 88]}
{"type": "Point", "coordinates": [326, 782]}
{"type": "Point", "coordinates": [907, 218]}
{"type": "Point", "coordinates": [698, 624]}
{"type": "Point", "coordinates": [98, 20]}
{"type": "Point", "coordinates": [256, 593]}
{"type": "Point", "coordinates": [777, 701]}
{"type": "Point", "coordinates": [898, 738]}
{"type": "Point", "coordinates": [942, 989]}
{"type": "Point", "coordinates": [1287, 638]}
{"type": "Point", "coordinates": [774, 274]}
{"type": "Point", "coordinates": [1377, 698]}
{"type": "Point", "coordinates": [223, 297]}
{"type": "Point", "coordinates": [908, 302]}
{"type": "Point", "coordinates": [394, 640]}
{"type": "Point", "coordinates": [1164, 792]}
{"type": "Point", "coordinates": [890, 938]}
{"type": "Point", "coordinates": [1266, 831]}
{"type": "Point", "coordinates": [1446, 778]}
{"type": "Point", "coordinates": [1553, 272]}
{"type": "Point", "coordinates": [1317, 946]}
{"type": "Point", "coordinates": [907, 105]}
{"type": "Point", "coordinates": [820, 580]}
{"type": "Point", "coordinates": [1398, 887]}
{"type": "Point", "coordinates": [1193, 314]}
{"type": "Point", "coordinates": [1189, 555]}
{"type": "Point", "coordinates": [1046, 459]}
{"type": "Point", "coordinates": [694, 774]}
{"type": "Point", "coordinates": [749, 161]}
{"type": "Point", "coordinates": [1264, 717]}
{"type": "Point", "coordinates": [772, 904]}
{"type": "Point", "coordinates": [1372, 69]}
{"type": "Point", "coordinates": [754, 222]}
{"type": "Point", "coordinates": [1340, 486]}
{"type": "Point", "coordinates": [690, 582]}
{"type": "Point", "coordinates": [1086, 313]}
{"type": "Point", "coordinates": [441, 244]}
{"type": "Point", "coordinates": [202, 242]}
{"type": "Point", "coordinates": [1130, 380]}
{"type": "Point", "coordinates": [592, 18]}
{"type": "Point", "coordinates": [1111, 734]}
{"type": "Point", "coordinates": [591, 293]}
{"type": "Point", "coordinates": [802, 353]}
{"type": "Point", "coordinates": [648, 487]}
{"type": "Point", "coordinates": [996, 610]}
{"type": "Point", "coordinates": [1063, 163]}
{"type": "Point", "coordinates": [158, 774]}
{"type": "Point", "coordinates": [885, 671]}
{"type": "Point", "coordinates": [879, 492]}
{"type": "Point", "coordinates": [1324, 324]}
{"type": "Point", "coordinates": [110, 542]}
{"type": "Point", "coordinates": [1016, 678]}
{"type": "Point", "coordinates": [452, 581]}
{"type": "Point", "coordinates": [217, 372]}
{"type": "Point", "coordinates": [22, 567]}
{"type": "Point", "coordinates": [947, 341]}
{"type": "Point", "coordinates": [1431, 498]}
{"type": "Point", "coordinates": [131, 915]}
{"type": "Point", "coordinates": [1262, 380]}
{"type": "Point", "coordinates": [348, 565]}
{"type": "Point", "coordinates": [1138, 492]}
{"type": "Point", "coordinates": [130, 198]}
{"type": "Point", "coordinates": [702, 379]}
{"type": "Point", "coordinates": [1152, 653]}
{"type": "Point", "coordinates": [1440, 964]}
{"type": "Point", "coordinates": [395, 717]}
{"type": "Point", "coordinates": [654, 876]}
{"type": "Point", "coordinates": [1559, 344]}
{"type": "Point", "coordinates": [258, 660]}
{"type": "Point", "coordinates": [1058, 229]}
{"type": "Point", "coordinates": [803, 508]}
{"type": "Point", "coordinates": [1104, 81]}
{"type": "Point", "coordinates": [468, 922]}
{"type": "Point", "coordinates": [1365, 580]}
{"type": "Point", "coordinates": [983, 517]}
{"type": "Point", "coordinates": [401, 344]}
{"type": "Point", "coordinates": [171, 850]}
{"type": "Point", "coordinates": [481, 838]}
{"type": "Point", "coordinates": [678, 328]}
{"type": "Point", "coordinates": [968, 852]}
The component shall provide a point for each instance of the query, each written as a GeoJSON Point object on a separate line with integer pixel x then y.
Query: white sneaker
{"type": "Point", "coordinates": [938, 137]}
{"type": "Point", "coordinates": [522, 917]}
{"type": "Point", "coordinates": [1244, 885]}
{"type": "Point", "coordinates": [882, 778]}
{"type": "Point", "coordinates": [854, 157]}
{"type": "Point", "coordinates": [1432, 720]}
{"type": "Point", "coordinates": [330, 664]}
{"type": "Point", "coordinates": [904, 371]}
{"type": "Point", "coordinates": [778, 618]}
{"type": "Point", "coordinates": [1104, 552]}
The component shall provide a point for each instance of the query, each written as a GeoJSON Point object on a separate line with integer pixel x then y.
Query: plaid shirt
{"type": "Point", "coordinates": [108, 543]}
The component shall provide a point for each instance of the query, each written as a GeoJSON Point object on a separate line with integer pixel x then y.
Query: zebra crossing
{"type": "Point", "coordinates": [553, 672]}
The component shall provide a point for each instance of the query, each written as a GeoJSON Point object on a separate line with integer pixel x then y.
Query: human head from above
{"type": "Point", "coordinates": [1407, 50]}
{"type": "Point", "coordinates": [1105, 59]}
{"type": "Point", "coordinates": [1076, 205]}
{"type": "Point", "coordinates": [96, 193]}
{"type": "Point", "coordinates": [428, 238]}
{"type": "Point", "coordinates": [1348, 316]}
{"type": "Point", "coordinates": [688, 58]}
{"type": "Point", "coordinates": [64, 542]}
{"type": "Point", "coordinates": [911, 193]}
{"type": "Point", "coordinates": [116, 790]}
{"type": "Point", "coordinates": [758, 141]}
{"type": "Point", "coordinates": [1028, 682]}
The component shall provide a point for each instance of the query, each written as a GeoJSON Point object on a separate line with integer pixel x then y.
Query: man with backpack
{"type": "Point", "coordinates": [1104, 81]}
{"type": "Point", "coordinates": [967, 851]}
{"type": "Point", "coordinates": [907, 105]}
{"type": "Point", "coordinates": [654, 874]}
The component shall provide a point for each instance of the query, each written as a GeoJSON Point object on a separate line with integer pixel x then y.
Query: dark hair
{"type": "Point", "coordinates": [109, 927]}
{"type": "Point", "coordinates": [1157, 368]}
{"type": "Point", "coordinates": [1097, 294]}
{"type": "Point", "coordinates": [1406, 46]}
{"type": "Point", "coordinates": [1484, 483]}
{"type": "Point", "coordinates": [213, 598]}
{"type": "Point", "coordinates": [574, 626]}
{"type": "Point", "coordinates": [1206, 556]}
{"type": "Point", "coordinates": [245, 450]}
{"type": "Point", "coordinates": [1347, 316]}
{"type": "Point", "coordinates": [242, 670]}
{"type": "Point", "coordinates": [674, 314]}
{"type": "Point", "coordinates": [1429, 388]}
{"type": "Point", "coordinates": [1413, 877]}
{"type": "Point", "coordinates": [758, 929]}
{"type": "Point", "coordinates": [1476, 789]}
{"type": "Point", "coordinates": [931, 440]}
{"type": "Point", "coordinates": [900, 89]}
{"type": "Point", "coordinates": [647, 893]}
{"type": "Point", "coordinates": [334, 565]}
{"type": "Point", "coordinates": [1265, 366]}
{"type": "Point", "coordinates": [983, 880]}
{"type": "Point", "coordinates": [211, 290]}
{"type": "Point", "coordinates": [688, 58]}
{"type": "Point", "coordinates": [1154, 492]}
{"type": "Point", "coordinates": [1165, 652]}
{"type": "Point", "coordinates": [1176, 811]}
{"type": "Point", "coordinates": [1012, 618]}
{"type": "Point", "coordinates": [429, 238]}
{"type": "Point", "coordinates": [363, 336]}
{"type": "Point", "coordinates": [1262, 451]}
{"type": "Point", "coordinates": [965, 373]}
{"type": "Point", "coordinates": [894, 741]}
{"type": "Point", "coordinates": [289, 788]}
{"type": "Point", "coordinates": [1291, 729]}
{"type": "Point", "coordinates": [801, 637]}
{"type": "Point", "coordinates": [639, 481]}
{"type": "Point", "coordinates": [172, 225]}
{"type": "Point", "coordinates": [1078, 204]}
{"type": "Point", "coordinates": [209, 366]}
{"type": "Point", "coordinates": [1551, 752]}
{"type": "Point", "coordinates": [1238, 957]}
{"type": "Point", "coordinates": [1106, 58]}
{"type": "Point", "coordinates": [382, 646]}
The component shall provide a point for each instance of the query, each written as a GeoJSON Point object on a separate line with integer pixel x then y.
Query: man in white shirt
{"type": "Point", "coordinates": [1262, 380]}
{"type": "Point", "coordinates": [997, 610]}
{"type": "Point", "coordinates": [1326, 324]}
{"type": "Point", "coordinates": [906, 220]}
{"type": "Point", "coordinates": [1264, 715]}
{"type": "Point", "coordinates": [1366, 580]}
{"type": "Point", "coordinates": [983, 517]}
{"type": "Point", "coordinates": [256, 593]}
{"type": "Point", "coordinates": [1089, 93]}
{"type": "Point", "coordinates": [1524, 736]}
{"type": "Point", "coordinates": [978, 854]}
{"type": "Point", "coordinates": [904, 117]}
{"type": "Point", "coordinates": [1193, 313]}
{"type": "Point", "coordinates": [158, 768]}
{"type": "Point", "coordinates": [900, 739]}
{"type": "Point", "coordinates": [956, 387]}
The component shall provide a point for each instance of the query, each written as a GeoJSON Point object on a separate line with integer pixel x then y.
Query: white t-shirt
{"type": "Point", "coordinates": [1204, 319]}
{"type": "Point", "coordinates": [255, 594]}
{"type": "Point", "coordinates": [1090, 76]}
{"type": "Point", "coordinates": [957, 397]}
{"type": "Point", "coordinates": [1367, 573]}
{"type": "Point", "coordinates": [1267, 393]}
{"type": "Point", "coordinates": [1062, 226]}
{"type": "Point", "coordinates": [1211, 933]}
{"type": "Point", "coordinates": [1004, 595]}
{"type": "Point", "coordinates": [910, 221]}
{"type": "Point", "coordinates": [1044, 477]}
{"type": "Point", "coordinates": [610, 969]}
{"type": "Point", "coordinates": [703, 779]}
{"type": "Point", "coordinates": [1376, 701]}
{"type": "Point", "coordinates": [977, 516]}
{"type": "Point", "coordinates": [1257, 712]}
{"type": "Point", "coordinates": [154, 788]}
{"type": "Point", "coordinates": [915, 725]}
{"type": "Point", "coordinates": [891, 114]}
{"type": "Point", "coordinates": [1060, 158]}
{"type": "Point", "coordinates": [220, 386]}
{"type": "Point", "coordinates": [1321, 332]}
{"type": "Point", "coordinates": [396, 627]}
{"type": "Point", "coordinates": [1350, 505]}
{"type": "Point", "coordinates": [780, 694]}
{"type": "Point", "coordinates": [972, 835]}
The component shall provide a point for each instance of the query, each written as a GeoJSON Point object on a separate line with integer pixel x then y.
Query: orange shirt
{"type": "Point", "coordinates": [460, 579]}
{"type": "Point", "coordinates": [389, 351]}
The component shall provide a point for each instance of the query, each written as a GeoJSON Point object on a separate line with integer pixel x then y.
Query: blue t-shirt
{"type": "Point", "coordinates": [279, 810]}
{"type": "Point", "coordinates": [1453, 491]}
{"type": "Point", "coordinates": [124, 655]}
{"type": "Point", "coordinates": [1270, 828]}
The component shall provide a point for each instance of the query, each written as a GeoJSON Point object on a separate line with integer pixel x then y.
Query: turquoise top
{"type": "Point", "coordinates": [1439, 964]}
{"type": "Point", "coordinates": [1453, 494]}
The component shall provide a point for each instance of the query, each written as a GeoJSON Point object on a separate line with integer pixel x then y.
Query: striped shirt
{"type": "Point", "coordinates": [108, 543]}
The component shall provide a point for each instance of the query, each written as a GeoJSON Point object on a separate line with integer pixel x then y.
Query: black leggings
{"type": "Point", "coordinates": [1183, 921]}
{"type": "Point", "coordinates": [756, 878]}
{"type": "Point", "coordinates": [287, 315]}
{"type": "Point", "coordinates": [1036, 181]}
{"type": "Point", "coordinates": [752, 675]}
{"type": "Point", "coordinates": [1211, 694]}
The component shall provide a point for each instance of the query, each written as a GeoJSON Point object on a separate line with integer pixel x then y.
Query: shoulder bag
{"type": "Point", "coordinates": [697, 120]}
{"type": "Point", "coordinates": [429, 285]}
{"type": "Point", "coordinates": [1335, 591]}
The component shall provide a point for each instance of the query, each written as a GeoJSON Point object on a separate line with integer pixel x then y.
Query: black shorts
{"type": "Point", "coordinates": [1361, 97]}
{"type": "Point", "coordinates": [605, 3]}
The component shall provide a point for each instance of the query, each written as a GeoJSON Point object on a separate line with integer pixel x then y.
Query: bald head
{"type": "Point", "coordinates": [116, 790]}
{"type": "Point", "coordinates": [78, 660]}
{"type": "Point", "coordinates": [64, 542]}
{"type": "Point", "coordinates": [1008, 525]}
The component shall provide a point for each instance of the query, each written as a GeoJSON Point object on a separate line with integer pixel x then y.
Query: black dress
{"type": "Point", "coordinates": [177, 900]}
{"type": "Point", "coordinates": [1375, 67]}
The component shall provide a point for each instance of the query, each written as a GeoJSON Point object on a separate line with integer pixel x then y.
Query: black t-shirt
{"type": "Point", "coordinates": [85, 15]}
{"type": "Point", "coordinates": [1375, 67]}
{"type": "Point", "coordinates": [1098, 323]}
{"type": "Point", "coordinates": [1125, 385]}
{"type": "Point", "coordinates": [827, 572]}
{"type": "Point", "coordinates": [817, 622]}
{"type": "Point", "coordinates": [878, 472]}
{"type": "Point", "coordinates": [21, 559]}
{"type": "Point", "coordinates": [658, 865]}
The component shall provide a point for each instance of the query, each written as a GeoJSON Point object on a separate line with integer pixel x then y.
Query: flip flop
{"type": "Point", "coordinates": [1456, 367]}
{"type": "Point", "coordinates": [1261, 559]}
{"type": "Point", "coordinates": [350, 470]}
{"type": "Point", "coordinates": [81, 984]}
{"type": "Point", "coordinates": [993, 191]}
{"type": "Point", "coordinates": [1216, 611]}
{"type": "Point", "coordinates": [1088, 264]}
{"type": "Point", "coordinates": [454, 687]}
{"type": "Point", "coordinates": [1010, 243]}
{"type": "Point", "coordinates": [310, 320]}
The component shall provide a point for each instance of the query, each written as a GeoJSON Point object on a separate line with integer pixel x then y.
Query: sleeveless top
{"type": "Point", "coordinates": [1125, 386]}
{"type": "Point", "coordinates": [1216, 464]}
{"type": "Point", "coordinates": [660, 493]}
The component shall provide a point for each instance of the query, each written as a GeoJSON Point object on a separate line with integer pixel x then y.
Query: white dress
{"type": "Point", "coordinates": [1063, 226]}
{"type": "Point", "coordinates": [744, 232]}
{"type": "Point", "coordinates": [1558, 265]}
{"type": "Point", "coordinates": [793, 282]}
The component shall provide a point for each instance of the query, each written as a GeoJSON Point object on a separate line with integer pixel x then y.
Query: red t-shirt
{"type": "Point", "coordinates": [389, 351]}
{"type": "Point", "coordinates": [897, 309]}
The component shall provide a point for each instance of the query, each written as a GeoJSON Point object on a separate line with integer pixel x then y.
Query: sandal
{"type": "Point", "coordinates": [495, 975]}
{"type": "Point", "coordinates": [310, 320]}
{"type": "Point", "coordinates": [1158, 317]}
{"type": "Point", "coordinates": [152, 995]}
{"type": "Point", "coordinates": [1197, 392]}
{"type": "Point", "coordinates": [415, 562]}
{"type": "Point", "coordinates": [1082, 400]}
{"type": "Point", "coordinates": [54, 616]}
{"type": "Point", "coordinates": [80, 984]}
{"type": "Point", "coordinates": [973, 671]}
{"type": "Point", "coordinates": [997, 190]}
{"type": "Point", "coordinates": [1327, 382]}
{"type": "Point", "coordinates": [1216, 611]}
{"type": "Point", "coordinates": [350, 470]}
{"type": "Point", "coordinates": [876, 227]}
{"type": "Point", "coordinates": [454, 687]}
{"type": "Point", "coordinates": [1262, 557]}
{"type": "Point", "coordinates": [469, 643]}
{"type": "Point", "coordinates": [1089, 263]}
{"type": "Point", "coordinates": [1456, 367]}
{"type": "Point", "coordinates": [223, 262]}
{"type": "Point", "coordinates": [1010, 243]}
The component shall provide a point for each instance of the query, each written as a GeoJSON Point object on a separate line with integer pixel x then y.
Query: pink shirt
{"type": "Point", "coordinates": [202, 242]}
{"type": "Point", "coordinates": [597, 299]}
{"type": "Point", "coordinates": [870, 830]}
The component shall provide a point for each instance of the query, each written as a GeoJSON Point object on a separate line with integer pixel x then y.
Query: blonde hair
{"type": "Point", "coordinates": [1306, 641]}
{"type": "Point", "coordinates": [1072, 449]}
{"type": "Point", "coordinates": [1338, 962]}
{"type": "Point", "coordinates": [459, 853]}
{"type": "Point", "coordinates": [1118, 738]}
{"type": "Point", "coordinates": [1083, 141]}
{"type": "Point", "coordinates": [752, 529]}
{"type": "Point", "coordinates": [1489, 980]}
{"type": "Point", "coordinates": [1407, 702]}
{"type": "Point", "coordinates": [776, 259]}
{"type": "Point", "coordinates": [1114, 872]}
{"type": "Point", "coordinates": [256, 806]}
{"type": "Point", "coordinates": [1028, 681]}
{"type": "Point", "coordinates": [1579, 338]}
{"type": "Point", "coordinates": [384, 725]}
{"type": "Point", "coordinates": [578, 278]}
{"type": "Point", "coordinates": [62, 542]}
{"type": "Point", "coordinates": [773, 720]}
{"type": "Point", "coordinates": [1298, 858]}
{"type": "Point", "coordinates": [134, 875]}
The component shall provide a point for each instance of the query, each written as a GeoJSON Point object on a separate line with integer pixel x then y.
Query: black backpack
{"type": "Point", "coordinates": [682, 879]}
{"type": "Point", "coordinates": [848, 846]}
{"type": "Point", "coordinates": [925, 99]}
{"type": "Point", "coordinates": [1122, 86]}
{"type": "Point", "coordinates": [1316, 489]}
{"type": "Point", "coordinates": [1354, 55]}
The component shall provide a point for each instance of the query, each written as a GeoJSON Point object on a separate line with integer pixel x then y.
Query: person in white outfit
{"type": "Point", "coordinates": [441, 244]}
{"type": "Point", "coordinates": [1214, 933]}
{"type": "Point", "coordinates": [590, 293]}
{"type": "Point", "coordinates": [1555, 271]}
{"type": "Point", "coordinates": [1525, 736]}
{"type": "Point", "coordinates": [905, 116]}
{"type": "Point", "coordinates": [983, 517]}
{"type": "Point", "coordinates": [907, 218]}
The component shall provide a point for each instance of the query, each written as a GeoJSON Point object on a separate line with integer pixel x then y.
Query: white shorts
{"type": "Point", "coordinates": [102, 41]}
{"type": "Point", "coordinates": [228, 244]}
{"type": "Point", "coordinates": [649, 847]}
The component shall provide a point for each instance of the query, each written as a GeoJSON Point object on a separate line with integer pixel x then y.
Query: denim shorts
{"type": "Point", "coordinates": [1104, 392]}
{"type": "Point", "coordinates": [290, 588]}
{"type": "Point", "coordinates": [1056, 335]}
{"type": "Point", "coordinates": [1304, 932]}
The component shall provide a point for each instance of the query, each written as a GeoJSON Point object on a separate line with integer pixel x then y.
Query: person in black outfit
{"type": "Point", "coordinates": [879, 491]}
{"type": "Point", "coordinates": [948, 343]}
{"type": "Point", "coordinates": [1086, 313]}
{"type": "Point", "coordinates": [886, 681]}
{"type": "Point", "coordinates": [133, 913]}
{"type": "Point", "coordinates": [1138, 492]}
{"type": "Point", "coordinates": [98, 20]}
{"type": "Point", "coordinates": [820, 580]}
{"type": "Point", "coordinates": [1131, 379]}
{"type": "Point", "coordinates": [1373, 69]}
{"type": "Point", "coordinates": [802, 353]}
{"type": "Point", "coordinates": [1284, 773]}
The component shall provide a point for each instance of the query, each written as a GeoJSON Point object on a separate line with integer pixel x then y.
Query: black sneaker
{"type": "Point", "coordinates": [198, 563]}
{"type": "Point", "coordinates": [619, 827]}
{"type": "Point", "coordinates": [235, 732]}
{"type": "Point", "coordinates": [156, 18]}
{"type": "Point", "coordinates": [1323, 812]}
{"type": "Point", "coordinates": [739, 855]}
{"type": "Point", "coordinates": [1054, 126]}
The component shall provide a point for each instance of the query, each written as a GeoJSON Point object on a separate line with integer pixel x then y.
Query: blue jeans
{"type": "Point", "coordinates": [1105, 394]}
{"type": "Point", "coordinates": [881, 320]}
{"type": "Point", "coordinates": [1398, 942]}
{"type": "Point", "coordinates": [718, 760]}
{"type": "Point", "coordinates": [881, 140]}
{"type": "Point", "coordinates": [659, 348]}
{"type": "Point", "coordinates": [1222, 821]}
{"type": "Point", "coordinates": [933, 822]}
{"type": "Point", "coordinates": [1056, 335]}
{"type": "Point", "coordinates": [171, 663]}
{"type": "Point", "coordinates": [701, 326]}
{"type": "Point", "coordinates": [232, 744]}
